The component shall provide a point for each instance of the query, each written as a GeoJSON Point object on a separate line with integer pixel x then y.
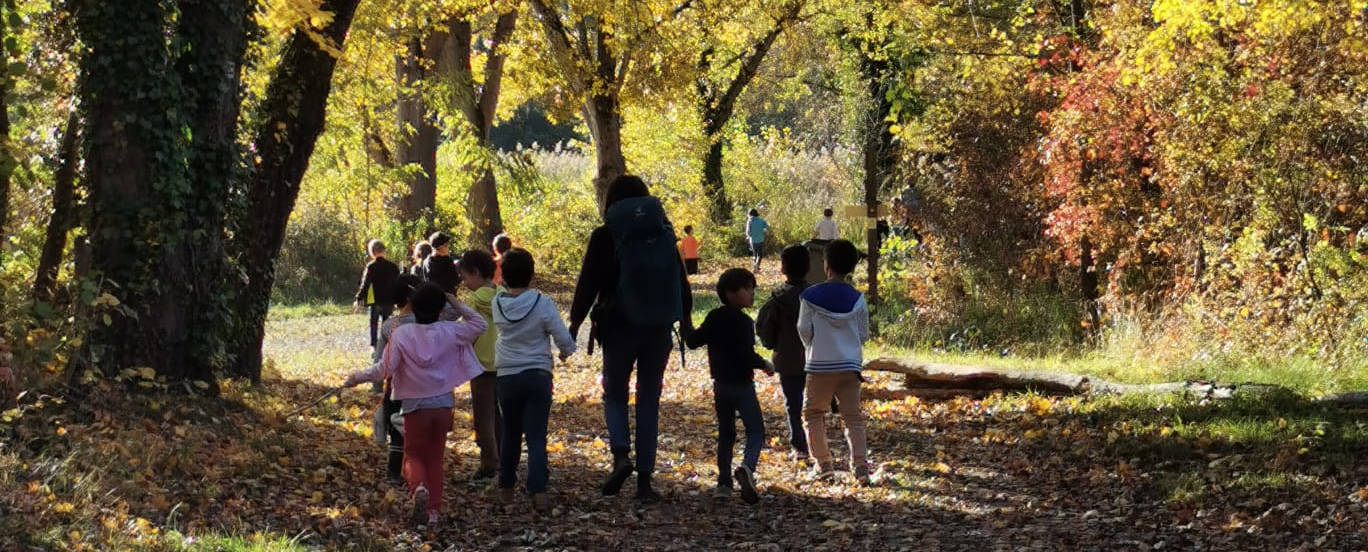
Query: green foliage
{"type": "Point", "coordinates": [321, 260]}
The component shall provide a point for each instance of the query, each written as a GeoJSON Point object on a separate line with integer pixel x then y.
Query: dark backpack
{"type": "Point", "coordinates": [649, 292]}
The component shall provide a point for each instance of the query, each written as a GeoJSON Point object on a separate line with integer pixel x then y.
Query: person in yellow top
{"type": "Point", "coordinates": [477, 273]}
{"type": "Point", "coordinates": [688, 249]}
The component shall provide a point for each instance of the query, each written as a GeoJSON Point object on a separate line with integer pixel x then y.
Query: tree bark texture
{"type": "Point", "coordinates": [880, 158]}
{"type": "Point", "coordinates": [148, 220]}
{"type": "Point", "coordinates": [291, 118]}
{"type": "Point", "coordinates": [63, 212]}
{"type": "Point", "coordinates": [477, 104]}
{"type": "Point", "coordinates": [7, 158]}
{"type": "Point", "coordinates": [416, 146]}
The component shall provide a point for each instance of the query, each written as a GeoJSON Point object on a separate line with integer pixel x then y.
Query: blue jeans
{"type": "Point", "coordinates": [648, 349]}
{"type": "Point", "coordinates": [525, 399]}
{"type": "Point", "coordinates": [731, 398]}
{"type": "Point", "coordinates": [793, 404]}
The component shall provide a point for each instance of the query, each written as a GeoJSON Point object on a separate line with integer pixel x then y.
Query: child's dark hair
{"type": "Point", "coordinates": [841, 256]}
{"type": "Point", "coordinates": [518, 268]}
{"type": "Point", "coordinates": [403, 288]}
{"type": "Point", "coordinates": [438, 239]}
{"type": "Point", "coordinates": [427, 301]}
{"type": "Point", "coordinates": [794, 262]}
{"type": "Point", "coordinates": [688, 229]}
{"type": "Point", "coordinates": [424, 249]}
{"type": "Point", "coordinates": [375, 246]}
{"type": "Point", "coordinates": [732, 280]}
{"type": "Point", "coordinates": [502, 243]}
{"type": "Point", "coordinates": [827, 212]}
{"type": "Point", "coordinates": [475, 261]}
{"type": "Point", "coordinates": [754, 212]}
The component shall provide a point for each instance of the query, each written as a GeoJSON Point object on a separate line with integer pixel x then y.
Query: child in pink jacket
{"type": "Point", "coordinates": [425, 361]}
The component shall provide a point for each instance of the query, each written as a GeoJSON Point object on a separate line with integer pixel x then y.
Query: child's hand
{"type": "Point", "coordinates": [564, 356]}
{"type": "Point", "coordinates": [351, 381]}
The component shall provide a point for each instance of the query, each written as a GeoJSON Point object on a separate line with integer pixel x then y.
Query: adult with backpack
{"type": "Point", "coordinates": [633, 288]}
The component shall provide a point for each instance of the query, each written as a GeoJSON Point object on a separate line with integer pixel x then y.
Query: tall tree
{"type": "Point", "coordinates": [717, 97]}
{"type": "Point", "coordinates": [477, 101]}
{"type": "Point", "coordinates": [7, 157]}
{"type": "Point", "coordinates": [149, 222]}
{"type": "Point", "coordinates": [416, 145]}
{"type": "Point", "coordinates": [289, 121]}
{"type": "Point", "coordinates": [594, 46]}
{"type": "Point", "coordinates": [63, 211]}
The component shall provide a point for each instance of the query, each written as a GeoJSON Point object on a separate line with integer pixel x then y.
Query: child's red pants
{"type": "Point", "coordinates": [425, 434]}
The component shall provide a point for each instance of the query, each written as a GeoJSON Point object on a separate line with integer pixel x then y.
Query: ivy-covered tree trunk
{"type": "Point", "coordinates": [416, 147]}
{"type": "Point", "coordinates": [63, 212]}
{"type": "Point", "coordinates": [291, 118]}
{"type": "Point", "coordinates": [138, 186]}
{"type": "Point", "coordinates": [212, 39]}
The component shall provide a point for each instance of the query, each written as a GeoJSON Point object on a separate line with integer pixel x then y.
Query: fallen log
{"type": "Point", "coordinates": [940, 381]}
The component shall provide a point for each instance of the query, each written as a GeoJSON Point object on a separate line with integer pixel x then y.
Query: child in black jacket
{"type": "Point", "coordinates": [730, 336]}
{"type": "Point", "coordinates": [777, 326]}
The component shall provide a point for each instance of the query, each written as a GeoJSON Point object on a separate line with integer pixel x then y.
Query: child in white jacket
{"type": "Point", "coordinates": [528, 322]}
{"type": "Point", "coordinates": [833, 323]}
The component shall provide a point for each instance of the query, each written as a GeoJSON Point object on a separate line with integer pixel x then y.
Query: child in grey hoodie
{"type": "Point", "coordinates": [833, 322]}
{"type": "Point", "coordinates": [522, 356]}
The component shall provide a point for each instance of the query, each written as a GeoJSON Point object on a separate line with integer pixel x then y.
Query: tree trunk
{"type": "Point", "coordinates": [291, 118]}
{"type": "Point", "coordinates": [7, 158]}
{"type": "Point", "coordinates": [210, 72]}
{"type": "Point", "coordinates": [478, 103]}
{"type": "Point", "coordinates": [63, 207]}
{"type": "Point", "coordinates": [417, 142]}
{"type": "Point", "coordinates": [602, 114]}
{"type": "Point", "coordinates": [880, 159]}
{"type": "Point", "coordinates": [137, 181]}
{"type": "Point", "coordinates": [719, 206]}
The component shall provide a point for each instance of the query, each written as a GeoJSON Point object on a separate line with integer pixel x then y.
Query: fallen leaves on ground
{"type": "Point", "coordinates": [162, 470]}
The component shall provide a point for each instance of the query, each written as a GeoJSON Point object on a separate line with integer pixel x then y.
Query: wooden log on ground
{"type": "Point", "coordinates": [925, 375]}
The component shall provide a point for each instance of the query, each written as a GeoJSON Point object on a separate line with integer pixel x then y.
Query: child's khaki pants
{"type": "Point", "coordinates": [845, 387]}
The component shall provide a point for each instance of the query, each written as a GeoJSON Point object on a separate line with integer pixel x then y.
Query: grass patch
{"type": "Point", "coordinates": [308, 310]}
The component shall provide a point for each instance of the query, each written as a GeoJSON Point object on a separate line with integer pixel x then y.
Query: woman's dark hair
{"type": "Point", "coordinates": [754, 212]}
{"type": "Point", "coordinates": [475, 261]}
{"type": "Point", "coordinates": [623, 187]}
{"type": "Point", "coordinates": [402, 290]}
{"type": "Point", "coordinates": [428, 301]}
{"type": "Point", "coordinates": [732, 280]}
{"type": "Point", "coordinates": [841, 256]}
{"type": "Point", "coordinates": [502, 243]}
{"type": "Point", "coordinates": [827, 212]}
{"type": "Point", "coordinates": [518, 268]}
{"type": "Point", "coordinates": [688, 229]}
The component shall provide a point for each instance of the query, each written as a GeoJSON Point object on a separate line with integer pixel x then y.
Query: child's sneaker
{"type": "Point", "coordinates": [823, 473]}
{"type": "Point", "coordinates": [622, 468]}
{"type": "Point", "coordinates": [483, 474]}
{"type": "Point", "coordinates": [746, 479]}
{"type": "Point", "coordinates": [722, 492]}
{"type": "Point", "coordinates": [419, 515]}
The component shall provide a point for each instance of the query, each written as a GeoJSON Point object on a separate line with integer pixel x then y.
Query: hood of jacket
{"type": "Point", "coordinates": [834, 301]}
{"type": "Point", "coordinates": [514, 308]}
